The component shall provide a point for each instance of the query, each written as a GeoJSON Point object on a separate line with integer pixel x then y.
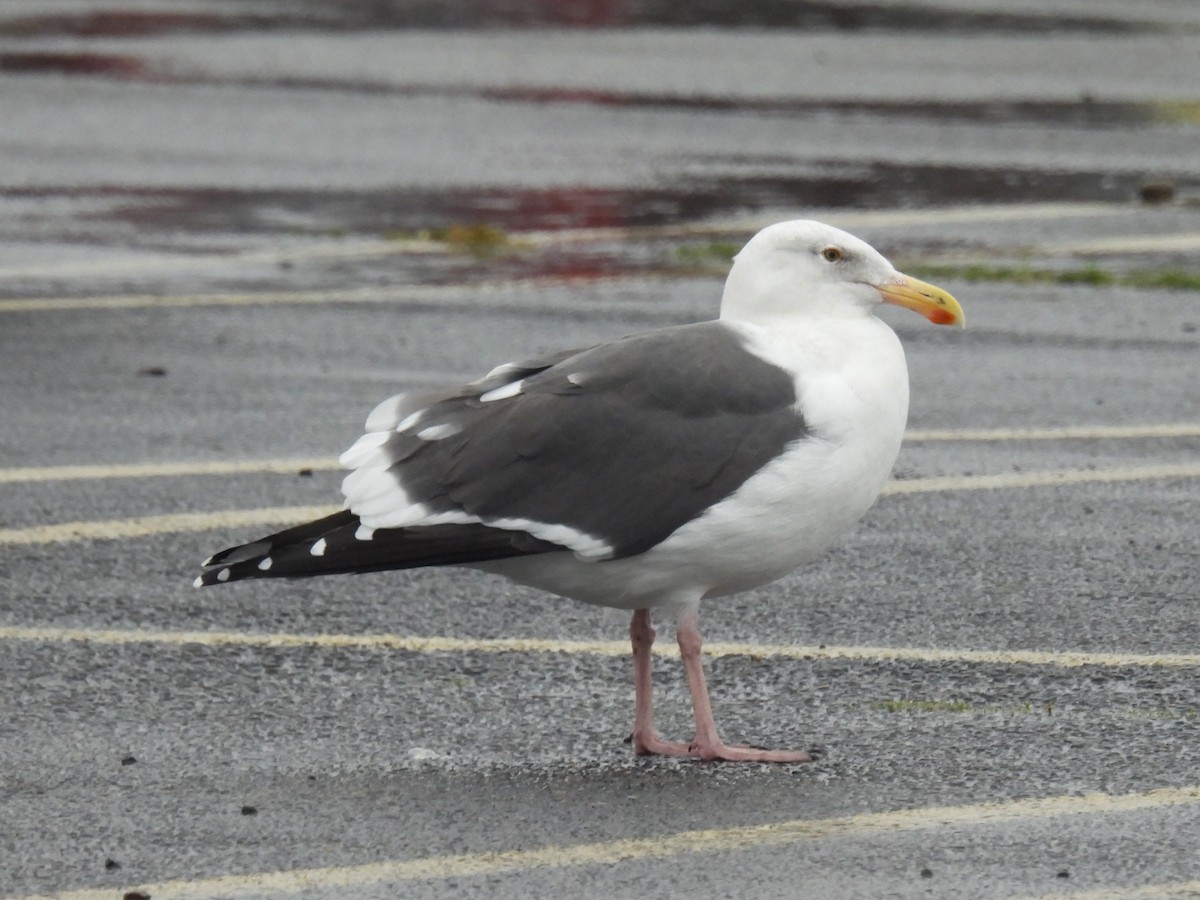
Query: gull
{"type": "Point", "coordinates": [652, 473]}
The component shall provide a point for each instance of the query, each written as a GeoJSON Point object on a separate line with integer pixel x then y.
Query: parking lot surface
{"type": "Point", "coordinates": [228, 230]}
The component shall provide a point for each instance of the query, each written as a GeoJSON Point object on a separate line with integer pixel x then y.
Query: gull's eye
{"type": "Point", "coordinates": [833, 254]}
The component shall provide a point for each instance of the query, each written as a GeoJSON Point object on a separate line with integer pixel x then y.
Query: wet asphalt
{"type": "Point", "coordinates": [224, 235]}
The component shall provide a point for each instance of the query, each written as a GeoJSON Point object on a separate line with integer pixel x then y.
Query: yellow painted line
{"type": "Point", "coordinates": [175, 523]}
{"type": "Point", "coordinates": [170, 469]}
{"type": "Point", "coordinates": [1172, 889]}
{"type": "Point", "coordinates": [1050, 478]}
{"type": "Point", "coordinates": [658, 847]}
{"type": "Point", "coordinates": [438, 644]}
{"type": "Point", "coordinates": [171, 523]}
{"type": "Point", "coordinates": [1066, 433]}
{"type": "Point", "coordinates": [286, 466]}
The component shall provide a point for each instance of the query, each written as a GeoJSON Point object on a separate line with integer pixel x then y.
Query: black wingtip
{"type": "Point", "coordinates": [255, 567]}
{"type": "Point", "coordinates": [240, 553]}
{"type": "Point", "coordinates": [254, 560]}
{"type": "Point", "coordinates": [336, 545]}
{"type": "Point", "coordinates": [205, 579]}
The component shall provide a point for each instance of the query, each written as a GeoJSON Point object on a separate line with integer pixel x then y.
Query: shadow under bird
{"type": "Point", "coordinates": [649, 473]}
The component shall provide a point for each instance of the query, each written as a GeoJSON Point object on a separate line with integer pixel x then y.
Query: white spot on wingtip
{"type": "Point", "coordinates": [503, 392]}
{"type": "Point", "coordinates": [223, 575]}
{"type": "Point", "coordinates": [207, 562]}
{"type": "Point", "coordinates": [199, 582]}
{"type": "Point", "coordinates": [438, 432]}
{"type": "Point", "coordinates": [264, 564]}
{"type": "Point", "coordinates": [501, 371]}
{"type": "Point", "coordinates": [577, 379]}
{"type": "Point", "coordinates": [318, 549]}
{"type": "Point", "coordinates": [364, 533]}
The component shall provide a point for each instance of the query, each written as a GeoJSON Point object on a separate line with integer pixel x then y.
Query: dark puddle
{"type": "Point", "coordinates": [154, 218]}
{"type": "Point", "coordinates": [381, 212]}
{"type": "Point", "coordinates": [1086, 112]}
{"type": "Point", "coordinates": [121, 23]}
{"type": "Point", "coordinates": [809, 15]}
{"type": "Point", "coordinates": [103, 64]}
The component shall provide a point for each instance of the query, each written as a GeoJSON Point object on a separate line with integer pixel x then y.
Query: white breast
{"type": "Point", "coordinates": [852, 384]}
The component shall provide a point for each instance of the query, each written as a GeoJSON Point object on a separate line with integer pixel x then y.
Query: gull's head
{"type": "Point", "coordinates": [804, 269]}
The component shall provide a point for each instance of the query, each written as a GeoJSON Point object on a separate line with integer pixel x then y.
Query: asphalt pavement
{"type": "Point", "coordinates": [228, 230]}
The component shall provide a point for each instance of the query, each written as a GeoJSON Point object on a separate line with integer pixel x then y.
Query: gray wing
{"type": "Point", "coordinates": [604, 451]}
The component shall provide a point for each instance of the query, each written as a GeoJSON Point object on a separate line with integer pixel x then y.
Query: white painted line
{"type": "Point", "coordinates": [175, 523]}
{"type": "Point", "coordinates": [953, 215]}
{"type": "Point", "coordinates": [1133, 243]}
{"type": "Point", "coordinates": [398, 294]}
{"type": "Point", "coordinates": [864, 826]}
{"type": "Point", "coordinates": [437, 644]}
{"type": "Point", "coordinates": [118, 264]}
{"type": "Point", "coordinates": [500, 294]}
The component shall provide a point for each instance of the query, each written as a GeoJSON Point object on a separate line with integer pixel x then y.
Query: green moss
{"type": "Point", "coordinates": [711, 252]}
{"type": "Point", "coordinates": [1182, 112]}
{"type": "Point", "coordinates": [1171, 279]}
{"type": "Point", "coordinates": [956, 706]}
{"type": "Point", "coordinates": [1090, 275]}
{"type": "Point", "coordinates": [476, 238]}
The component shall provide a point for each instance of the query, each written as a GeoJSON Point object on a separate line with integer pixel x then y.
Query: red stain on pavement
{"type": "Point", "coordinates": [111, 65]}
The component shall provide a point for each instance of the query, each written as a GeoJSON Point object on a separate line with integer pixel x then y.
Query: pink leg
{"type": "Point", "coordinates": [707, 743]}
{"type": "Point", "coordinates": [645, 741]}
